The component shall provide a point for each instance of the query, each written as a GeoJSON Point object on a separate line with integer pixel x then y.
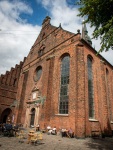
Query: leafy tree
{"type": "Point", "coordinates": [99, 13]}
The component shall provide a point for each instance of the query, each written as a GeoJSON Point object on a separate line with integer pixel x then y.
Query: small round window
{"type": "Point", "coordinates": [38, 73]}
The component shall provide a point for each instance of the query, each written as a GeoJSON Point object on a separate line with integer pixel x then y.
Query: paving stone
{"type": "Point", "coordinates": [56, 142]}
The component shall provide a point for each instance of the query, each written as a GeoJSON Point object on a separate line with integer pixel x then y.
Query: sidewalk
{"type": "Point", "coordinates": [56, 142]}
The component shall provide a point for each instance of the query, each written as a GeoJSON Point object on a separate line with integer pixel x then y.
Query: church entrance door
{"type": "Point", "coordinates": [32, 117]}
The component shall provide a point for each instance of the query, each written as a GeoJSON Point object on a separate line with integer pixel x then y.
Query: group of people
{"type": "Point", "coordinates": [67, 133]}
{"type": "Point", "coordinates": [12, 129]}
{"type": "Point", "coordinates": [8, 129]}
{"type": "Point", "coordinates": [64, 132]}
{"type": "Point", "coordinates": [52, 131]}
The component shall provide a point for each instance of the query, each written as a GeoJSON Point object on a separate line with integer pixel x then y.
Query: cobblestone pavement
{"type": "Point", "coordinates": [56, 142]}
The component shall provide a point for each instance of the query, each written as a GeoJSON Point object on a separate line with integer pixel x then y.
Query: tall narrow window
{"type": "Point", "coordinates": [107, 93]}
{"type": "Point", "coordinates": [90, 88]}
{"type": "Point", "coordinates": [64, 82]}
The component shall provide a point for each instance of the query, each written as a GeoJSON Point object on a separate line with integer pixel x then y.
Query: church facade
{"type": "Point", "coordinates": [61, 83]}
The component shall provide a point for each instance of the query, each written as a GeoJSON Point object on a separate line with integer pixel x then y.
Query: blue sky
{"type": "Point", "coordinates": [38, 12]}
{"type": "Point", "coordinates": [20, 24]}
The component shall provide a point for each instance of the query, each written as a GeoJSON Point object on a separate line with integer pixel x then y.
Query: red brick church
{"type": "Point", "coordinates": [61, 83]}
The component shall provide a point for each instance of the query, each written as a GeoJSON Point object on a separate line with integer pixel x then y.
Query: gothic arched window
{"type": "Point", "coordinates": [64, 82]}
{"type": "Point", "coordinates": [107, 93]}
{"type": "Point", "coordinates": [90, 88]}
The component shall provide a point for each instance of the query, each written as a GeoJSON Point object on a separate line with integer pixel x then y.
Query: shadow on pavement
{"type": "Point", "coordinates": [101, 144]}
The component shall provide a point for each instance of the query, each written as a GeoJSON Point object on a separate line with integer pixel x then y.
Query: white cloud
{"type": "Point", "coordinates": [16, 35]}
{"type": "Point", "coordinates": [60, 12]}
{"type": "Point", "coordinates": [67, 16]}
{"type": "Point", "coordinates": [12, 11]}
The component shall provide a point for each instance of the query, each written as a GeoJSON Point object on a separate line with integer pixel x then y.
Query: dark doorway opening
{"type": "Point", "coordinates": [5, 114]}
{"type": "Point", "coordinates": [32, 117]}
{"type": "Point", "coordinates": [5, 118]}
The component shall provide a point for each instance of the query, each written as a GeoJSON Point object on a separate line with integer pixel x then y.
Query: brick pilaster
{"type": "Point", "coordinates": [80, 70]}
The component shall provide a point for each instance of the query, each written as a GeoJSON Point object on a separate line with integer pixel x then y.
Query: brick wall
{"type": "Point", "coordinates": [56, 42]}
{"type": "Point", "coordinates": [8, 88]}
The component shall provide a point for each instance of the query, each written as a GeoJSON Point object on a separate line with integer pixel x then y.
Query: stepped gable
{"type": "Point", "coordinates": [10, 78]}
{"type": "Point", "coordinates": [47, 28]}
{"type": "Point", "coordinates": [50, 38]}
{"type": "Point", "coordinates": [9, 85]}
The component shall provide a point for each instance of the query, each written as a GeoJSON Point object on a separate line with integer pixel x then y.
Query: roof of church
{"type": "Point", "coordinates": [50, 30]}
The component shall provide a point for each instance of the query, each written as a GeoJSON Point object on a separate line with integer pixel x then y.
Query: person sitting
{"type": "Point", "coordinates": [38, 127]}
{"type": "Point", "coordinates": [48, 128]}
{"type": "Point", "coordinates": [70, 133]}
{"type": "Point", "coordinates": [15, 129]}
{"type": "Point", "coordinates": [54, 132]}
{"type": "Point", "coordinates": [64, 132]}
{"type": "Point", "coordinates": [2, 127]}
{"type": "Point", "coordinates": [8, 129]}
{"type": "Point", "coordinates": [49, 131]}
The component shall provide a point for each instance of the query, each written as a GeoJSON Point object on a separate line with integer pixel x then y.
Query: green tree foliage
{"type": "Point", "coordinates": [99, 13]}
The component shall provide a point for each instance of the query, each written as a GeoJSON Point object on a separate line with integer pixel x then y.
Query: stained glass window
{"type": "Point", "coordinates": [64, 82]}
{"type": "Point", "coordinates": [90, 88]}
{"type": "Point", "coordinates": [107, 92]}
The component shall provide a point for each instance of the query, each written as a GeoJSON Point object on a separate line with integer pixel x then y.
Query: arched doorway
{"type": "Point", "coordinates": [5, 114]}
{"type": "Point", "coordinates": [32, 117]}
